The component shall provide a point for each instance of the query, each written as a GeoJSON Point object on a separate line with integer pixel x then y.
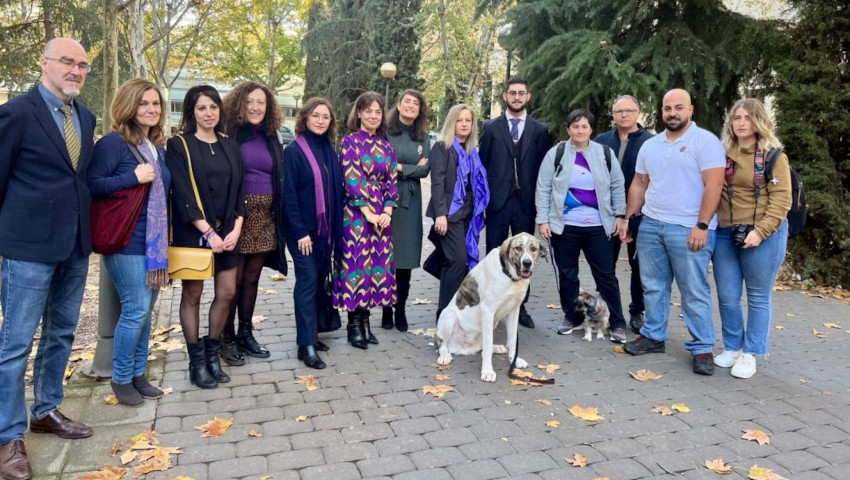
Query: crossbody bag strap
{"type": "Point", "coordinates": [136, 153]}
{"type": "Point", "coordinates": [192, 177]}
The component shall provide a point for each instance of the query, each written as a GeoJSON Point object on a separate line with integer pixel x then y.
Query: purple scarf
{"type": "Point", "coordinates": [321, 209]}
{"type": "Point", "coordinates": [469, 168]}
{"type": "Point", "coordinates": [156, 228]}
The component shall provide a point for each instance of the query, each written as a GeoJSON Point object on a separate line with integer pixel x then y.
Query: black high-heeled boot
{"type": "Point", "coordinates": [356, 337]}
{"type": "Point", "coordinates": [310, 357]}
{"type": "Point", "coordinates": [387, 318]}
{"type": "Point", "coordinates": [212, 348]}
{"type": "Point", "coordinates": [400, 317]}
{"type": "Point", "coordinates": [246, 341]}
{"type": "Point", "coordinates": [367, 330]}
{"type": "Point", "coordinates": [198, 373]}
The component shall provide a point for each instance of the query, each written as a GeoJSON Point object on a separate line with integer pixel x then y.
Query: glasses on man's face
{"type": "Point", "coordinates": [521, 93]}
{"type": "Point", "coordinates": [630, 111]}
{"type": "Point", "coordinates": [70, 63]}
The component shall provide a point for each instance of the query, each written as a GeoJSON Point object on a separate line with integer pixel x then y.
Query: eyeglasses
{"type": "Point", "coordinates": [70, 63]}
{"type": "Point", "coordinates": [316, 116]}
{"type": "Point", "coordinates": [630, 111]}
{"type": "Point", "coordinates": [517, 94]}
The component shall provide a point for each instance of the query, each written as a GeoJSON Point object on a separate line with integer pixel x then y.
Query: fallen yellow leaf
{"type": "Point", "coordinates": [116, 447]}
{"type": "Point", "coordinates": [680, 407]}
{"type": "Point", "coordinates": [184, 477]}
{"type": "Point", "coordinates": [277, 277]}
{"type": "Point", "coordinates": [818, 334]}
{"type": "Point", "coordinates": [717, 466]}
{"type": "Point", "coordinates": [578, 460]}
{"type": "Point", "coordinates": [438, 391]}
{"type": "Point", "coordinates": [515, 381]}
{"type": "Point", "coordinates": [619, 349]}
{"type": "Point", "coordinates": [442, 377]}
{"type": "Point", "coordinates": [803, 380]}
{"type": "Point", "coordinates": [421, 301]}
{"type": "Point", "coordinates": [109, 472]}
{"type": "Point", "coordinates": [779, 327]}
{"type": "Point", "coordinates": [308, 381]}
{"type": "Point", "coordinates": [149, 436]}
{"type": "Point", "coordinates": [440, 367]}
{"type": "Point", "coordinates": [757, 435]}
{"type": "Point", "coordinates": [550, 368]}
{"type": "Point", "coordinates": [141, 445]}
{"type": "Point", "coordinates": [553, 424]}
{"type": "Point", "coordinates": [553, 306]}
{"type": "Point", "coordinates": [643, 375]}
{"type": "Point", "coordinates": [254, 433]}
{"type": "Point", "coordinates": [663, 410]}
{"type": "Point", "coordinates": [257, 318]}
{"type": "Point", "coordinates": [110, 399]}
{"type": "Point", "coordinates": [267, 291]}
{"type": "Point", "coordinates": [523, 373]}
{"type": "Point", "coordinates": [600, 478]}
{"type": "Point", "coordinates": [758, 473]}
{"type": "Point", "coordinates": [591, 414]}
{"type": "Point", "coordinates": [545, 402]}
{"type": "Point", "coordinates": [831, 325]}
{"type": "Point", "coordinates": [300, 418]}
{"type": "Point", "coordinates": [128, 457]}
{"type": "Point", "coordinates": [215, 427]}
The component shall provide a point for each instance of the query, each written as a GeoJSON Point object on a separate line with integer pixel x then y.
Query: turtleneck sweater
{"type": "Point", "coordinates": [258, 163]}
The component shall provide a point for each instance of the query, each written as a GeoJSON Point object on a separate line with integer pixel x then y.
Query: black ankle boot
{"type": "Point", "coordinates": [310, 357]}
{"type": "Point", "coordinates": [400, 317]}
{"type": "Point", "coordinates": [198, 373]}
{"type": "Point", "coordinates": [212, 347]}
{"type": "Point", "coordinates": [387, 318]}
{"type": "Point", "coordinates": [230, 352]}
{"type": "Point", "coordinates": [246, 341]}
{"type": "Point", "coordinates": [356, 336]}
{"type": "Point", "coordinates": [321, 346]}
{"type": "Point", "coordinates": [145, 388]}
{"type": "Point", "coordinates": [127, 394]}
{"type": "Point", "coordinates": [367, 330]}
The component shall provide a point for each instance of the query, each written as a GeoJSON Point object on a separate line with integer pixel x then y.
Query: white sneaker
{"type": "Point", "coordinates": [745, 366]}
{"type": "Point", "coordinates": [727, 358]}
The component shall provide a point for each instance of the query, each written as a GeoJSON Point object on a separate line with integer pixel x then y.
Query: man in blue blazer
{"type": "Point", "coordinates": [511, 149]}
{"type": "Point", "coordinates": [46, 142]}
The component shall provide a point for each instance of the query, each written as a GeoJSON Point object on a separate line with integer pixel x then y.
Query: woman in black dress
{"type": "Point", "coordinates": [217, 222]}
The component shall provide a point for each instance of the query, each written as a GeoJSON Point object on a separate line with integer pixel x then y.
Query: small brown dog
{"type": "Point", "coordinates": [596, 315]}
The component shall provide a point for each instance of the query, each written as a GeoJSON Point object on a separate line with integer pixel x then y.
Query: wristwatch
{"type": "Point", "coordinates": [702, 225]}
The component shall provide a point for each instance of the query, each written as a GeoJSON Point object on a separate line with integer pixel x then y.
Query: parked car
{"type": "Point", "coordinates": [286, 135]}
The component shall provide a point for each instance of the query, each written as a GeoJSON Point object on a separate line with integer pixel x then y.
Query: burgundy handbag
{"type": "Point", "coordinates": [114, 218]}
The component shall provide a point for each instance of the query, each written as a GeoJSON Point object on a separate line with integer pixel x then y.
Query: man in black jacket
{"type": "Point", "coordinates": [511, 149]}
{"type": "Point", "coordinates": [45, 240]}
{"type": "Point", "coordinates": [626, 139]}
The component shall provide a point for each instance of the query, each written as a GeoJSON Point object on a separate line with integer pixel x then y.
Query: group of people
{"type": "Point", "coordinates": [352, 221]}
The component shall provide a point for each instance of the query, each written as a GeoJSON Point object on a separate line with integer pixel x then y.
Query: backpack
{"type": "Point", "coordinates": [797, 215]}
{"type": "Point", "coordinates": [559, 153]}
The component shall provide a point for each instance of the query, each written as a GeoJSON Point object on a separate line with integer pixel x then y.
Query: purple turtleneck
{"type": "Point", "coordinates": [258, 163]}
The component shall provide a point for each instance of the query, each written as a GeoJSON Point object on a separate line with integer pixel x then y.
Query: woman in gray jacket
{"type": "Point", "coordinates": [581, 204]}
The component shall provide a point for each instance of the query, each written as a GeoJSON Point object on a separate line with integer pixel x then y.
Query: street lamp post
{"type": "Point", "coordinates": [297, 97]}
{"type": "Point", "coordinates": [388, 71]}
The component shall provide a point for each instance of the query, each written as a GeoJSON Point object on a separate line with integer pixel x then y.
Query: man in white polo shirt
{"type": "Point", "coordinates": [678, 178]}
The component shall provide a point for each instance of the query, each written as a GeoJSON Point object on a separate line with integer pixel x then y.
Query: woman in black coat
{"type": "Point", "coordinates": [216, 222]}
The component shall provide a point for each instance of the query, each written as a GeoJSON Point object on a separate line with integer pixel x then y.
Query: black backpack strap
{"type": "Point", "coordinates": [559, 154]}
{"type": "Point", "coordinates": [607, 156]}
{"type": "Point", "coordinates": [770, 161]}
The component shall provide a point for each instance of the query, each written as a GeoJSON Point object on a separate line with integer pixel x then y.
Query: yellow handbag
{"type": "Point", "coordinates": [190, 263]}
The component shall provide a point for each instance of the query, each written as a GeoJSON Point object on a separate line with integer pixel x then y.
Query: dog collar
{"type": "Point", "coordinates": [505, 270]}
{"type": "Point", "coordinates": [597, 307]}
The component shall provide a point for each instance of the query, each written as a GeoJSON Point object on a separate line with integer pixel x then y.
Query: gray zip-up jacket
{"type": "Point", "coordinates": [552, 188]}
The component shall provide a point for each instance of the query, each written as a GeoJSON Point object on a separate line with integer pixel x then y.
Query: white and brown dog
{"type": "Point", "coordinates": [596, 315]}
{"type": "Point", "coordinates": [492, 291]}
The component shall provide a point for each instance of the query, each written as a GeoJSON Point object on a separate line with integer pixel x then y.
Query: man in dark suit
{"type": "Point", "coordinates": [512, 147]}
{"type": "Point", "coordinates": [46, 142]}
{"type": "Point", "coordinates": [626, 138]}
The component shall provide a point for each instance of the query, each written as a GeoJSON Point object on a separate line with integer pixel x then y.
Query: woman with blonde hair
{"type": "Point", "coordinates": [459, 195]}
{"type": "Point", "coordinates": [129, 156]}
{"type": "Point", "coordinates": [751, 234]}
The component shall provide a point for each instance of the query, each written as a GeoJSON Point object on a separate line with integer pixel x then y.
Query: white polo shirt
{"type": "Point", "coordinates": [675, 174]}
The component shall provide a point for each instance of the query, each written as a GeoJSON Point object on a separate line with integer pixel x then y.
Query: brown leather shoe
{"type": "Point", "coordinates": [62, 426]}
{"type": "Point", "coordinates": [14, 464]}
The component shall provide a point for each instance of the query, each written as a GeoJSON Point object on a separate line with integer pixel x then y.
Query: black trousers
{"type": "Point", "coordinates": [598, 252]}
{"type": "Point", "coordinates": [402, 285]}
{"type": "Point", "coordinates": [510, 220]}
{"type": "Point", "coordinates": [306, 293]}
{"type": "Point", "coordinates": [636, 307]}
{"type": "Point", "coordinates": [455, 265]}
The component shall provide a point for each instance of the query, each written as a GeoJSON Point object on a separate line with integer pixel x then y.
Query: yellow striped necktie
{"type": "Point", "coordinates": [72, 141]}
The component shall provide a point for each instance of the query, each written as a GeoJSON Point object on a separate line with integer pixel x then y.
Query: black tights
{"type": "Point", "coordinates": [402, 282]}
{"type": "Point", "coordinates": [247, 285]}
{"type": "Point", "coordinates": [190, 305]}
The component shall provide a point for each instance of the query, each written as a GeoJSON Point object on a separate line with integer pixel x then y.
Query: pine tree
{"type": "Point", "coordinates": [813, 104]}
{"type": "Point", "coordinates": [583, 53]}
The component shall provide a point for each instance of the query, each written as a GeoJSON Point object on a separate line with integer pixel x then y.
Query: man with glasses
{"type": "Point", "coordinates": [511, 148]}
{"type": "Point", "coordinates": [45, 240]}
{"type": "Point", "coordinates": [626, 138]}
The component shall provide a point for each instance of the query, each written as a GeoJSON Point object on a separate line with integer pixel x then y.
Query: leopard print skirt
{"type": "Point", "coordinates": [258, 230]}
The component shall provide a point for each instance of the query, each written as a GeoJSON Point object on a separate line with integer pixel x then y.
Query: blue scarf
{"type": "Point", "coordinates": [469, 168]}
{"type": "Point", "coordinates": [156, 229]}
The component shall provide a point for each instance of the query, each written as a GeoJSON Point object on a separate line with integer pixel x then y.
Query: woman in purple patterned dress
{"type": "Point", "coordinates": [366, 278]}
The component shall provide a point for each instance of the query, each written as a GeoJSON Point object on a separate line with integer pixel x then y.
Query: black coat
{"type": "Point", "coordinates": [44, 203]}
{"type": "Point", "coordinates": [184, 208]}
{"type": "Point", "coordinates": [611, 139]}
{"type": "Point", "coordinates": [443, 162]}
{"type": "Point", "coordinates": [496, 151]}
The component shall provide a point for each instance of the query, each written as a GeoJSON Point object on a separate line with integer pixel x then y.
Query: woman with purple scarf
{"type": "Point", "coordinates": [128, 156]}
{"type": "Point", "coordinates": [581, 205]}
{"type": "Point", "coordinates": [459, 195]}
{"type": "Point", "coordinates": [312, 196]}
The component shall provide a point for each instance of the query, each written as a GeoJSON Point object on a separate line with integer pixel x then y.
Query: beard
{"type": "Point", "coordinates": [683, 122]}
{"type": "Point", "coordinates": [71, 92]}
{"type": "Point", "coordinates": [517, 109]}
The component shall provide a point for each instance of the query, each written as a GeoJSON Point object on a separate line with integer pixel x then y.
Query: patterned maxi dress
{"type": "Point", "coordinates": [367, 277]}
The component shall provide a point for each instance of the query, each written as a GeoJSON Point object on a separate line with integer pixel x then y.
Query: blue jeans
{"type": "Point", "coordinates": [757, 267]}
{"type": "Point", "coordinates": [32, 291]}
{"type": "Point", "coordinates": [132, 333]}
{"type": "Point", "coordinates": [664, 255]}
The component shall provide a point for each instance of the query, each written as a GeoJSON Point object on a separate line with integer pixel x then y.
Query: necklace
{"type": "Point", "coordinates": [212, 152]}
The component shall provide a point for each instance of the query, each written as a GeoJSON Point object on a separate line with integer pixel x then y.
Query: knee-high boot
{"type": "Point", "coordinates": [198, 373]}
{"type": "Point", "coordinates": [356, 335]}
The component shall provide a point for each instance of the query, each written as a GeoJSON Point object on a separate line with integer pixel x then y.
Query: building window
{"type": "Point", "coordinates": [177, 107]}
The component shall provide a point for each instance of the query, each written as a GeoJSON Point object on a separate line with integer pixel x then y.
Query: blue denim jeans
{"type": "Point", "coordinates": [757, 267]}
{"type": "Point", "coordinates": [132, 333]}
{"type": "Point", "coordinates": [664, 255]}
{"type": "Point", "coordinates": [32, 291]}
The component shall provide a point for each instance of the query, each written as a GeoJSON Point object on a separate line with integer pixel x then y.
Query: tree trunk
{"type": "Point", "coordinates": [49, 26]}
{"type": "Point", "coordinates": [110, 59]}
{"type": "Point", "coordinates": [135, 31]}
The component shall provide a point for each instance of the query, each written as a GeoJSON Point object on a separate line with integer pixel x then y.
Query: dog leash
{"type": "Point", "coordinates": [512, 375]}
{"type": "Point", "coordinates": [554, 267]}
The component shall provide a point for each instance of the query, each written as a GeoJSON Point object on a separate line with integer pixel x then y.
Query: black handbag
{"type": "Point", "coordinates": [434, 263]}
{"type": "Point", "coordinates": [327, 317]}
